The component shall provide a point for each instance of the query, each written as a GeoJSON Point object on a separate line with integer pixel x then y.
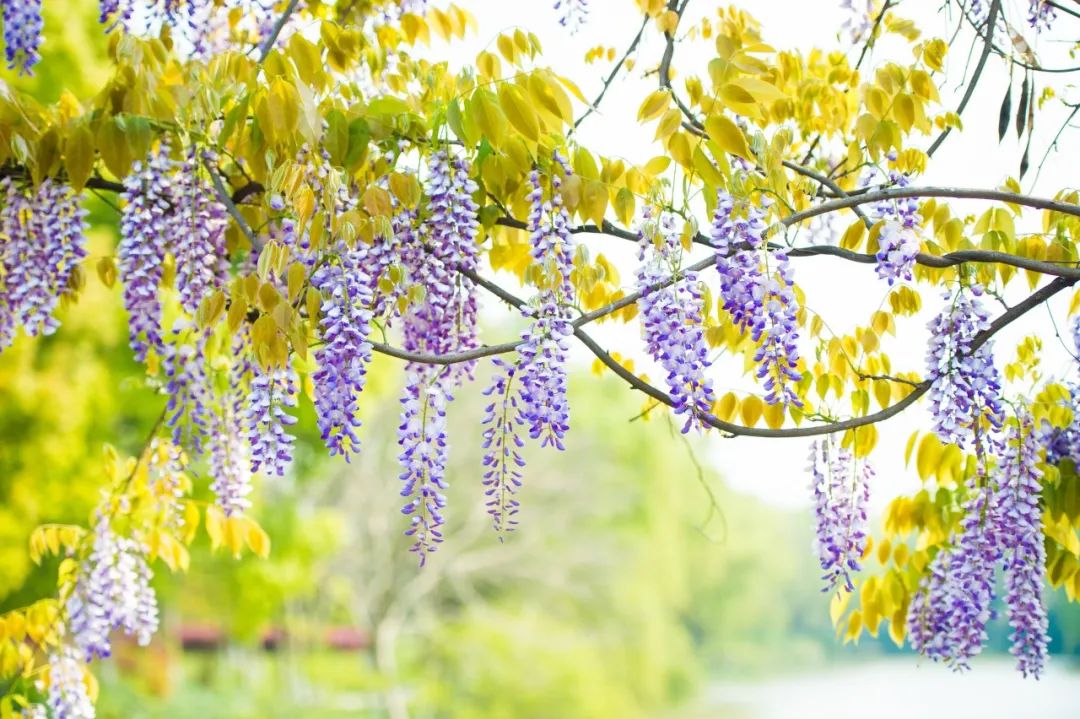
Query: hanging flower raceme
{"type": "Point", "coordinates": [230, 456]}
{"type": "Point", "coordinates": [572, 13]}
{"type": "Point", "coordinates": [947, 618]}
{"type": "Point", "coordinates": [147, 231]}
{"type": "Point", "coordinates": [858, 18]}
{"type": "Point", "coordinates": [112, 592]}
{"type": "Point", "coordinates": [202, 264]}
{"type": "Point", "coordinates": [345, 353]}
{"type": "Point", "coordinates": [545, 344]}
{"type": "Point", "coordinates": [841, 493]}
{"type": "Point", "coordinates": [1041, 15]}
{"type": "Point", "coordinates": [272, 392]}
{"type": "Point", "coordinates": [671, 320]}
{"type": "Point", "coordinates": [43, 244]}
{"type": "Point", "coordinates": [898, 242]}
{"type": "Point", "coordinates": [1022, 542]}
{"type": "Point", "coordinates": [445, 321]}
{"type": "Point", "coordinates": [966, 390]}
{"type": "Point", "coordinates": [187, 384]}
{"type": "Point", "coordinates": [69, 695]}
{"type": "Point", "coordinates": [422, 438]}
{"type": "Point", "coordinates": [503, 424]}
{"type": "Point", "coordinates": [759, 299]}
{"type": "Point", "coordinates": [22, 34]}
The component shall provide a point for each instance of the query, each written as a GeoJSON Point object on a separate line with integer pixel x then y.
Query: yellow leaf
{"type": "Point", "coordinates": [594, 201]}
{"type": "Point", "coordinates": [654, 105]}
{"type": "Point", "coordinates": [751, 408]}
{"type": "Point", "coordinates": [838, 605]}
{"type": "Point", "coordinates": [518, 110]}
{"type": "Point", "coordinates": [257, 539]}
{"type": "Point", "coordinates": [928, 456]}
{"type": "Point", "coordinates": [727, 134]}
{"type": "Point", "coordinates": [215, 525]}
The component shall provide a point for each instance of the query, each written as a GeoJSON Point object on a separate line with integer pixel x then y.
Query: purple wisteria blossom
{"type": "Point", "coordinates": [345, 353]}
{"type": "Point", "coordinates": [272, 392]}
{"type": "Point", "coordinates": [22, 34]}
{"type": "Point", "coordinates": [1064, 443]}
{"type": "Point", "coordinates": [948, 616]}
{"type": "Point", "coordinates": [671, 320]}
{"type": "Point", "coordinates": [422, 438]}
{"type": "Point", "coordinates": [202, 264]}
{"type": "Point", "coordinates": [898, 243]}
{"type": "Point", "coordinates": [858, 18]}
{"type": "Point", "coordinates": [147, 230]}
{"type": "Point", "coordinates": [43, 244]}
{"type": "Point", "coordinates": [112, 592]}
{"type": "Point", "coordinates": [1041, 15]}
{"type": "Point", "coordinates": [760, 299]}
{"type": "Point", "coordinates": [545, 343]}
{"type": "Point", "coordinates": [69, 695]}
{"type": "Point", "coordinates": [572, 13]}
{"type": "Point", "coordinates": [187, 383]}
{"type": "Point", "coordinates": [966, 390]}
{"type": "Point", "coordinates": [841, 493]}
{"type": "Point", "coordinates": [503, 426]}
{"type": "Point", "coordinates": [445, 321]}
{"type": "Point", "coordinates": [230, 455]}
{"type": "Point", "coordinates": [1022, 542]}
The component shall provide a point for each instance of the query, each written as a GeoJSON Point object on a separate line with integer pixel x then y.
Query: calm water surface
{"type": "Point", "coordinates": [902, 688]}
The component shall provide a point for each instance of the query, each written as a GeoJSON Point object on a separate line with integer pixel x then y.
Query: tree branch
{"type": "Point", "coordinates": [991, 21]}
{"type": "Point", "coordinates": [276, 30]}
{"type": "Point", "coordinates": [614, 72]}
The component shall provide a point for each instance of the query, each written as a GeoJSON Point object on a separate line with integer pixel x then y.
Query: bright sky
{"type": "Point", "coordinates": [771, 469]}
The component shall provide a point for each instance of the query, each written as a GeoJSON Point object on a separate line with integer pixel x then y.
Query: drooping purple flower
{"type": "Point", "coordinates": [947, 618]}
{"type": "Point", "coordinates": [445, 320]}
{"type": "Point", "coordinates": [1022, 541]}
{"type": "Point", "coordinates": [572, 13]}
{"type": "Point", "coordinates": [841, 494]}
{"type": "Point", "coordinates": [43, 244]}
{"type": "Point", "coordinates": [898, 243]}
{"type": "Point", "coordinates": [22, 34]}
{"type": "Point", "coordinates": [858, 18]}
{"type": "Point", "coordinates": [503, 422]}
{"type": "Point", "coordinates": [671, 320]}
{"type": "Point", "coordinates": [112, 591]}
{"type": "Point", "coordinates": [1041, 15]}
{"type": "Point", "coordinates": [230, 455]}
{"type": "Point", "coordinates": [760, 298]}
{"type": "Point", "coordinates": [343, 357]}
{"type": "Point", "coordinates": [422, 438]}
{"type": "Point", "coordinates": [187, 385]}
{"type": "Point", "coordinates": [272, 392]}
{"type": "Point", "coordinates": [966, 390]}
{"type": "Point", "coordinates": [1064, 443]}
{"type": "Point", "coordinates": [69, 696]}
{"type": "Point", "coordinates": [200, 221]}
{"type": "Point", "coordinates": [147, 228]}
{"type": "Point", "coordinates": [545, 345]}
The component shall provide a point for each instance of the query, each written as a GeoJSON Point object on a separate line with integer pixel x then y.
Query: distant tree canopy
{"type": "Point", "coordinates": [297, 190]}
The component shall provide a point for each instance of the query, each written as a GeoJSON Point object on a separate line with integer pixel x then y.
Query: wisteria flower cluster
{"type": "Point", "coordinates": [422, 437]}
{"type": "Point", "coordinates": [44, 244]}
{"type": "Point", "coordinates": [69, 696]}
{"type": "Point", "coordinates": [572, 13]}
{"type": "Point", "coordinates": [530, 393]}
{"type": "Point", "coordinates": [1002, 524]}
{"type": "Point", "coordinates": [1041, 15]}
{"type": "Point", "coordinates": [112, 592]}
{"type": "Point", "coordinates": [898, 243]}
{"type": "Point", "coordinates": [671, 320]}
{"type": "Point", "coordinates": [22, 34]}
{"type": "Point", "coordinates": [760, 299]}
{"type": "Point", "coordinates": [346, 352]}
{"type": "Point", "coordinates": [273, 391]}
{"type": "Point", "coordinates": [966, 390]}
{"type": "Point", "coordinates": [841, 494]}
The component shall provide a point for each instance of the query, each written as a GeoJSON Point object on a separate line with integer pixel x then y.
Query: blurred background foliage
{"type": "Point", "coordinates": [635, 579]}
